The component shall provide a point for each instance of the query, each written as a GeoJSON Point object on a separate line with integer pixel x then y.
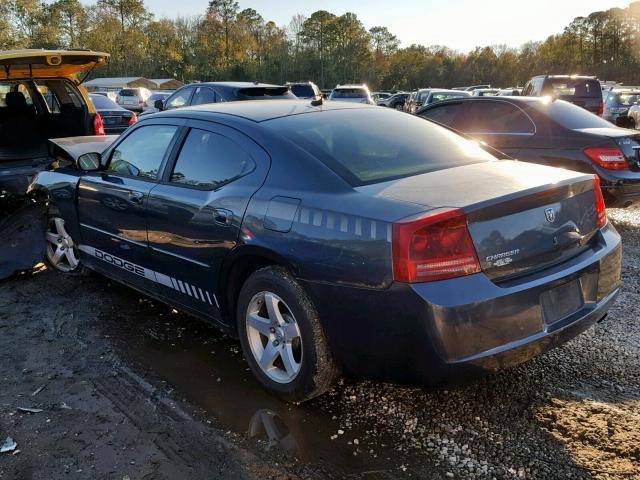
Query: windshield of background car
{"type": "Point", "coordinates": [570, 116]}
{"type": "Point", "coordinates": [303, 91]}
{"type": "Point", "coordinates": [440, 96]}
{"type": "Point", "coordinates": [365, 146]}
{"type": "Point", "coordinates": [573, 87]}
{"type": "Point", "coordinates": [349, 93]}
{"type": "Point", "coordinates": [103, 103]}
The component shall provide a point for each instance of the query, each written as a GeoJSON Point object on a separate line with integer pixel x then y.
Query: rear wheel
{"type": "Point", "coordinates": [282, 338]}
{"type": "Point", "coordinates": [62, 251]}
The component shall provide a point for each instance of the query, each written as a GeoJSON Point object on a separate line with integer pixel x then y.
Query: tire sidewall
{"type": "Point", "coordinates": [277, 281]}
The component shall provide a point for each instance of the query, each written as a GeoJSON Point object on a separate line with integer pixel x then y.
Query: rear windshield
{"type": "Point", "coordinates": [103, 103]}
{"type": "Point", "coordinates": [573, 87]}
{"type": "Point", "coordinates": [263, 92]}
{"type": "Point", "coordinates": [128, 92]}
{"type": "Point", "coordinates": [303, 90]}
{"type": "Point", "coordinates": [571, 116]}
{"type": "Point", "coordinates": [366, 146]}
{"type": "Point", "coordinates": [349, 93]}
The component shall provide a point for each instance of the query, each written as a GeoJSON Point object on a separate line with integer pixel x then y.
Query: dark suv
{"type": "Point", "coordinates": [582, 91]}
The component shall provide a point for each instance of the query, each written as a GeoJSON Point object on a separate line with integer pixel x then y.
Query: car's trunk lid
{"type": "Point", "coordinates": [35, 63]}
{"type": "Point", "coordinates": [521, 216]}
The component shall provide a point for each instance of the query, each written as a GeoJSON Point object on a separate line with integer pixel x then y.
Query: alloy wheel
{"type": "Point", "coordinates": [274, 337]}
{"type": "Point", "coordinates": [61, 249]}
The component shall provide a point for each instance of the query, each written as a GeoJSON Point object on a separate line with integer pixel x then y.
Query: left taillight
{"type": "Point", "coordinates": [133, 119]}
{"type": "Point", "coordinates": [601, 211]}
{"type": "Point", "coordinates": [609, 158]}
{"type": "Point", "coordinates": [434, 246]}
{"type": "Point", "coordinates": [601, 109]}
{"type": "Point", "coordinates": [98, 125]}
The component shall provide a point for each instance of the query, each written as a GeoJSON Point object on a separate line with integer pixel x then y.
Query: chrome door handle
{"type": "Point", "coordinates": [222, 216]}
{"type": "Point", "coordinates": [136, 197]}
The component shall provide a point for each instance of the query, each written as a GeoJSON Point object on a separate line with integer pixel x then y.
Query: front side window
{"type": "Point", "coordinates": [496, 117]}
{"type": "Point", "coordinates": [208, 160]}
{"type": "Point", "coordinates": [203, 95]}
{"type": "Point", "coordinates": [179, 99]}
{"type": "Point", "coordinates": [141, 153]}
{"type": "Point", "coordinates": [445, 114]}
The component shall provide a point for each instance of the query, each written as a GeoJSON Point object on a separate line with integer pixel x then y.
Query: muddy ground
{"type": "Point", "coordinates": [129, 388]}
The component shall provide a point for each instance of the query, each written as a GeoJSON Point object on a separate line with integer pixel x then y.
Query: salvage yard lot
{"type": "Point", "coordinates": [134, 389]}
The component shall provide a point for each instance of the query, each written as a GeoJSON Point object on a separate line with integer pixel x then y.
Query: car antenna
{"type": "Point", "coordinates": [317, 102]}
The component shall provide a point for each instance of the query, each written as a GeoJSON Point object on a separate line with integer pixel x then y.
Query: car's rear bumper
{"type": "Point", "coordinates": [436, 331]}
{"type": "Point", "coordinates": [623, 194]}
{"type": "Point", "coordinates": [115, 130]}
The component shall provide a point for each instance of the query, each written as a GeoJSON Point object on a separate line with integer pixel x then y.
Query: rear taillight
{"type": "Point", "coordinates": [601, 109]}
{"type": "Point", "coordinates": [434, 246]}
{"type": "Point", "coordinates": [98, 126]}
{"type": "Point", "coordinates": [133, 119]}
{"type": "Point", "coordinates": [601, 212]}
{"type": "Point", "coordinates": [609, 158]}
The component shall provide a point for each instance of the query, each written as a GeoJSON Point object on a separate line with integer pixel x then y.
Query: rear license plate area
{"type": "Point", "coordinates": [111, 120]}
{"type": "Point", "coordinates": [562, 301]}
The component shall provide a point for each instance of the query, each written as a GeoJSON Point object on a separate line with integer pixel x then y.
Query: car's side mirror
{"type": "Point", "coordinates": [89, 162]}
{"type": "Point", "coordinates": [159, 104]}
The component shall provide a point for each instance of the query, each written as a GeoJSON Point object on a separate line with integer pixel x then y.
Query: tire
{"type": "Point", "coordinates": [297, 364]}
{"type": "Point", "coordinates": [62, 252]}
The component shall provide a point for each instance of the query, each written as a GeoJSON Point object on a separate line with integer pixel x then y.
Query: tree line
{"type": "Point", "coordinates": [229, 43]}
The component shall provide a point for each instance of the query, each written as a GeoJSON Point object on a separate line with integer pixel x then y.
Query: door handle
{"type": "Point", "coordinates": [222, 216]}
{"type": "Point", "coordinates": [136, 197]}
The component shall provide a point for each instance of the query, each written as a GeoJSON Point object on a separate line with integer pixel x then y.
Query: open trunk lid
{"type": "Point", "coordinates": [36, 63]}
{"type": "Point", "coordinates": [521, 216]}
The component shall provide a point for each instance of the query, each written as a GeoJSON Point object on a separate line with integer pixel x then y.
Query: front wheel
{"type": "Point", "coordinates": [282, 338]}
{"type": "Point", "coordinates": [62, 251]}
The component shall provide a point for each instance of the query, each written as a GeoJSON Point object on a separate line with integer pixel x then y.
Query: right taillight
{"type": "Point", "coordinates": [434, 246]}
{"type": "Point", "coordinates": [609, 158]}
{"type": "Point", "coordinates": [601, 212]}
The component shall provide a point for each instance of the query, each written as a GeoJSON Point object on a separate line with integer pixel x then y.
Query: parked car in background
{"type": "Point", "coordinates": [583, 91]}
{"type": "Point", "coordinates": [113, 96]}
{"type": "Point", "coordinates": [304, 89]}
{"type": "Point", "coordinates": [352, 93]}
{"type": "Point", "coordinates": [438, 95]}
{"type": "Point", "coordinates": [509, 92]}
{"type": "Point", "coordinates": [216, 92]}
{"type": "Point", "coordinates": [471, 88]}
{"type": "Point", "coordinates": [485, 92]}
{"type": "Point", "coordinates": [395, 101]}
{"type": "Point", "coordinates": [151, 101]}
{"type": "Point", "coordinates": [409, 101]}
{"type": "Point", "coordinates": [40, 99]}
{"type": "Point", "coordinates": [115, 118]}
{"type": "Point", "coordinates": [340, 238]}
{"type": "Point", "coordinates": [378, 96]}
{"type": "Point", "coordinates": [416, 100]}
{"type": "Point", "coordinates": [133, 98]}
{"type": "Point", "coordinates": [617, 106]}
{"type": "Point", "coordinates": [550, 132]}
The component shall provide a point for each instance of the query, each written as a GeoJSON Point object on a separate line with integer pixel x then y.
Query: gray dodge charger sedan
{"type": "Point", "coordinates": [338, 238]}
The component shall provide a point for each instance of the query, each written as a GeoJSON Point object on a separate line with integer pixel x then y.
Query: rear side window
{"type": "Point", "coordinates": [570, 116]}
{"type": "Point", "coordinates": [495, 117]}
{"type": "Point", "coordinates": [141, 153]}
{"type": "Point", "coordinates": [265, 92]}
{"type": "Point", "coordinates": [572, 87]}
{"type": "Point", "coordinates": [208, 160]}
{"type": "Point", "coordinates": [365, 146]}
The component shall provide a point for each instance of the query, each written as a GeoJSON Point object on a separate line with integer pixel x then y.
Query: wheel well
{"type": "Point", "coordinates": [239, 271]}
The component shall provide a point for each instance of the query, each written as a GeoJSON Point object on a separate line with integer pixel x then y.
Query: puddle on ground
{"type": "Point", "coordinates": [207, 369]}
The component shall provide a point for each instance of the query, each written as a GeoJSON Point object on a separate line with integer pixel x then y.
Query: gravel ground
{"type": "Point", "coordinates": [134, 382]}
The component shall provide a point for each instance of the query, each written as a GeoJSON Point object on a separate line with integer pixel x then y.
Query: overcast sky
{"type": "Point", "coordinates": [459, 24]}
